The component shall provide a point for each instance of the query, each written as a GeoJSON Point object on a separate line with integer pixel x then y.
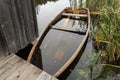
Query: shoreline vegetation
{"type": "Point", "coordinates": [105, 36]}
{"type": "Point", "coordinates": [106, 18]}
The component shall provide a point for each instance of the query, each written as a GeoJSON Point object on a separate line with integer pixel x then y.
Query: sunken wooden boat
{"type": "Point", "coordinates": [80, 15]}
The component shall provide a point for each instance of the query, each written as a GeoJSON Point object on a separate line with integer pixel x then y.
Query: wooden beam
{"type": "Point", "coordinates": [94, 13]}
{"type": "Point", "coordinates": [69, 30]}
{"type": "Point", "coordinates": [79, 15]}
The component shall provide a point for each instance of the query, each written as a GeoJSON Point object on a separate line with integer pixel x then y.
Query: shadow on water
{"type": "Point", "coordinates": [37, 58]}
{"type": "Point", "coordinates": [23, 53]}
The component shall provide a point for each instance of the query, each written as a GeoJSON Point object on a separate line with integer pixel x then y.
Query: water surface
{"type": "Point", "coordinates": [81, 70]}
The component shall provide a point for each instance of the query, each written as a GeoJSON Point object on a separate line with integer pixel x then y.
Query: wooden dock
{"type": "Point", "coordinates": [13, 67]}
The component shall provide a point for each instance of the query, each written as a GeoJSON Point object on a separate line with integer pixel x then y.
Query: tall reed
{"type": "Point", "coordinates": [96, 5]}
{"type": "Point", "coordinates": [109, 32]}
{"type": "Point", "coordinates": [107, 36]}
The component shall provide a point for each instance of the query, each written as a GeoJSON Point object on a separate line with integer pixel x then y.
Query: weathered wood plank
{"type": "Point", "coordinates": [14, 68]}
{"type": "Point", "coordinates": [33, 74]}
{"type": "Point", "coordinates": [2, 57]}
{"type": "Point", "coordinates": [30, 68]}
{"type": "Point", "coordinates": [18, 72]}
{"type": "Point", "coordinates": [10, 68]}
{"type": "Point", "coordinates": [4, 69]}
{"type": "Point", "coordinates": [45, 76]}
{"type": "Point", "coordinates": [6, 59]}
{"type": "Point", "coordinates": [8, 64]}
{"type": "Point", "coordinates": [79, 15]}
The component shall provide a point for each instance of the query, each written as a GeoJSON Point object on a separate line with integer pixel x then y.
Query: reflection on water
{"type": "Point", "coordinates": [77, 4]}
{"type": "Point", "coordinates": [82, 63]}
{"type": "Point", "coordinates": [57, 48]}
{"type": "Point", "coordinates": [41, 2]}
{"type": "Point", "coordinates": [105, 73]}
{"type": "Point", "coordinates": [48, 11]}
{"type": "Point", "coordinates": [76, 25]}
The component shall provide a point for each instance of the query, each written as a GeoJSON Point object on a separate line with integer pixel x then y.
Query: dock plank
{"type": "Point", "coordinates": [45, 76]}
{"type": "Point", "coordinates": [35, 73]}
{"type": "Point", "coordinates": [15, 68]}
{"type": "Point", "coordinates": [10, 70]}
{"type": "Point", "coordinates": [17, 73]}
{"type": "Point", "coordinates": [5, 59]}
{"type": "Point", "coordinates": [2, 58]}
{"type": "Point", "coordinates": [8, 65]}
{"type": "Point", "coordinates": [29, 70]}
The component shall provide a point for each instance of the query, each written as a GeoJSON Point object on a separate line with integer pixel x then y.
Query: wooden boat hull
{"type": "Point", "coordinates": [82, 15]}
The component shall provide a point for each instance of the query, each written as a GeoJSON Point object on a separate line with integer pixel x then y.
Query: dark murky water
{"type": "Point", "coordinates": [57, 48]}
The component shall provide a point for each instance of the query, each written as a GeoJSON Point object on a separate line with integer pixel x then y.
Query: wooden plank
{"type": "Point", "coordinates": [6, 59]}
{"type": "Point", "coordinates": [14, 68]}
{"type": "Point", "coordinates": [8, 64]}
{"type": "Point", "coordinates": [18, 72]}
{"type": "Point", "coordinates": [45, 76]}
{"type": "Point", "coordinates": [94, 13]}
{"type": "Point", "coordinates": [34, 74]}
{"type": "Point", "coordinates": [69, 30]}
{"type": "Point", "coordinates": [1, 58]}
{"type": "Point", "coordinates": [9, 68]}
{"type": "Point", "coordinates": [29, 70]}
{"type": "Point", "coordinates": [70, 14]}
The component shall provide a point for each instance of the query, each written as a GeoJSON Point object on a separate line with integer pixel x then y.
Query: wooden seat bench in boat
{"type": "Point", "coordinates": [78, 15]}
{"type": "Point", "coordinates": [70, 30]}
